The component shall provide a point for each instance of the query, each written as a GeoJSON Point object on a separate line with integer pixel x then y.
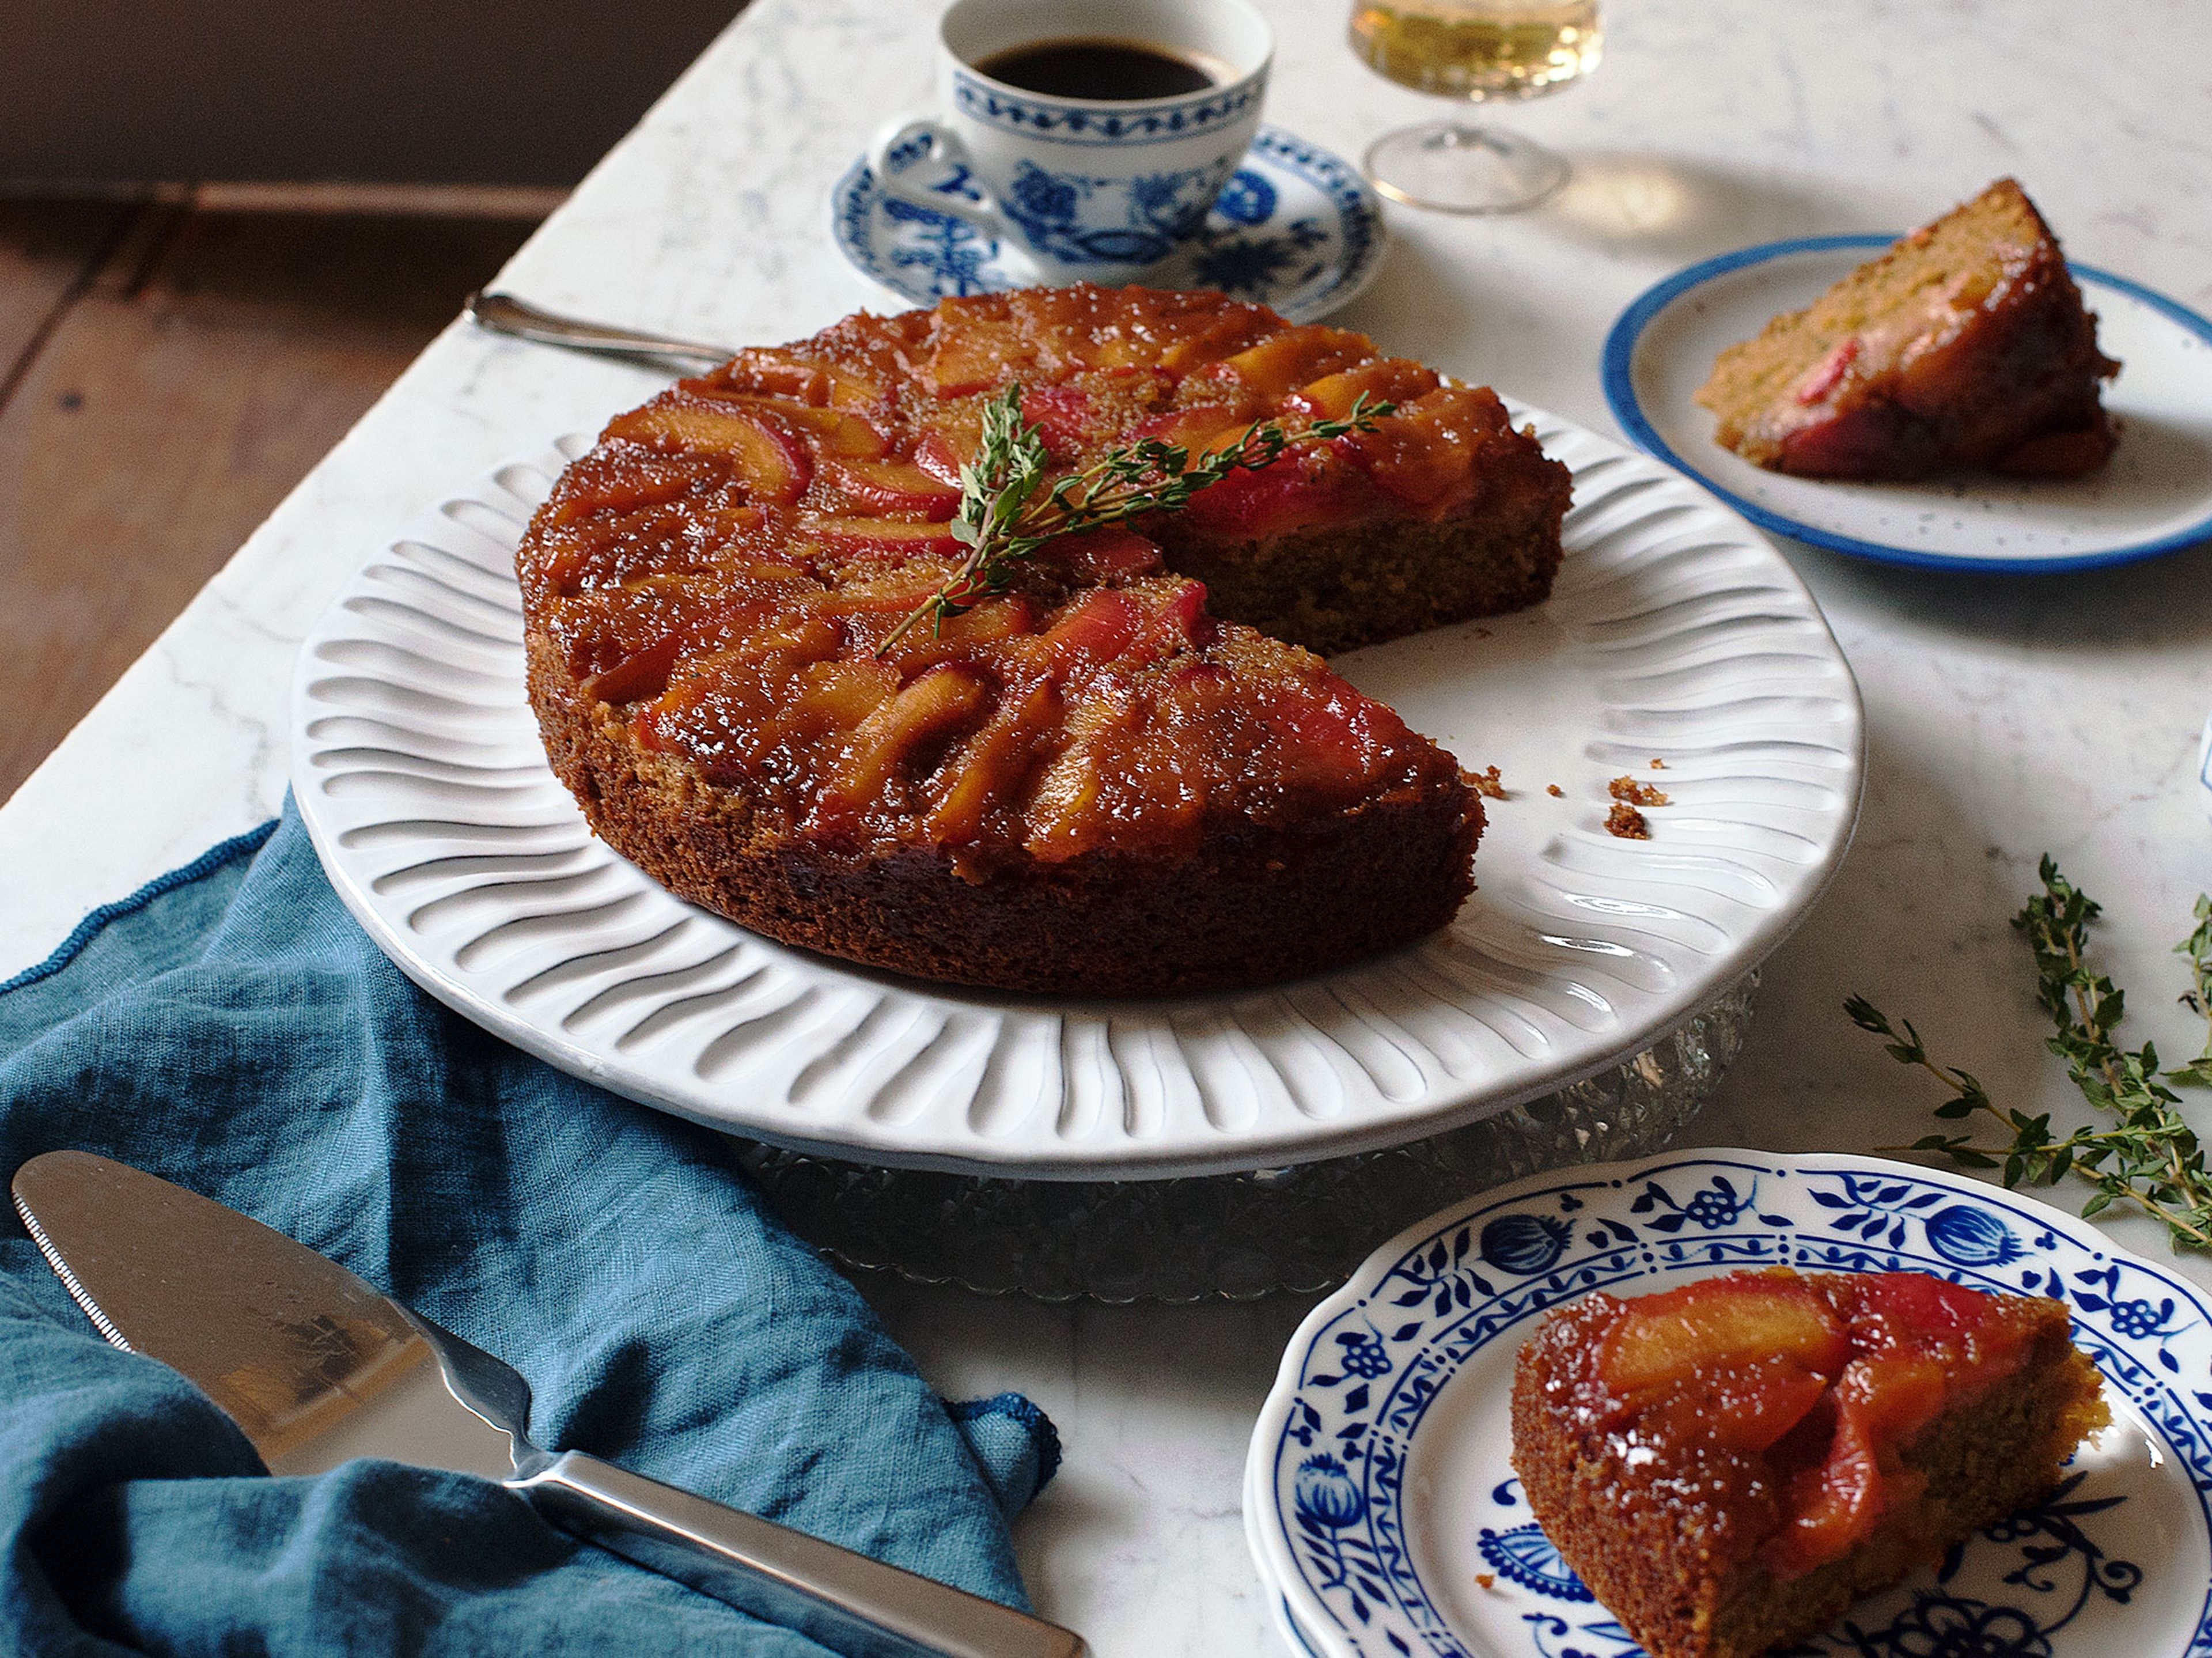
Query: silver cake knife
{"type": "Point", "coordinates": [317, 1367]}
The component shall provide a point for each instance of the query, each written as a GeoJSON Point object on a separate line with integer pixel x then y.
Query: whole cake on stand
{"type": "Point", "coordinates": [755, 614]}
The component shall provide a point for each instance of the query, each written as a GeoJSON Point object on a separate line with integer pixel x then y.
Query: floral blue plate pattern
{"type": "Point", "coordinates": [1295, 228]}
{"type": "Point", "coordinates": [1383, 1512]}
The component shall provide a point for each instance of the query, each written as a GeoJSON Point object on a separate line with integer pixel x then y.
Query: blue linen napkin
{"type": "Point", "coordinates": [230, 1028]}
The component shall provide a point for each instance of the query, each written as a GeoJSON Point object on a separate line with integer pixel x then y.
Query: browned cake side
{"type": "Point", "coordinates": [1264, 906]}
{"type": "Point", "coordinates": [1679, 1544]}
{"type": "Point", "coordinates": [1966, 344]}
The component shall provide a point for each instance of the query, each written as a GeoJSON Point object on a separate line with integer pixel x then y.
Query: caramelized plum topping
{"type": "Point", "coordinates": [1718, 1322]}
{"type": "Point", "coordinates": [1062, 415]}
{"type": "Point", "coordinates": [894, 488]}
{"type": "Point", "coordinates": [1283, 361]}
{"type": "Point", "coordinates": [1303, 490]}
{"type": "Point", "coordinates": [643, 673]}
{"type": "Point", "coordinates": [1386, 379]}
{"type": "Point", "coordinates": [772, 464]}
{"type": "Point", "coordinates": [1827, 1379]}
{"type": "Point", "coordinates": [833, 432]}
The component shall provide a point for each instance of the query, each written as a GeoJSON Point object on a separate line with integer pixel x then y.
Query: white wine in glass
{"type": "Point", "coordinates": [1477, 50]}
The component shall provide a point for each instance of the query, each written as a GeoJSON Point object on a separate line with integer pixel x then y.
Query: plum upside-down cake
{"type": "Point", "coordinates": [1122, 769]}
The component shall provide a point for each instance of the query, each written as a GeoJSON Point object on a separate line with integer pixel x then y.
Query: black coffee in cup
{"type": "Point", "coordinates": [1126, 71]}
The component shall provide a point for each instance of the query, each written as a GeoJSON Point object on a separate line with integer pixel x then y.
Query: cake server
{"type": "Point", "coordinates": [317, 1367]}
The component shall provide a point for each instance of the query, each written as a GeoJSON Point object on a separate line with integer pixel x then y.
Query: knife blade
{"type": "Point", "coordinates": [317, 1367]}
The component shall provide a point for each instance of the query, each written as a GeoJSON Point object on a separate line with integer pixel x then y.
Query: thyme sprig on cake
{"type": "Point", "coordinates": [1007, 511]}
{"type": "Point", "coordinates": [2143, 1153]}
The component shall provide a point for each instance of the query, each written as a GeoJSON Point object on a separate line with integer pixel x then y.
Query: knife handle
{"type": "Point", "coordinates": [848, 1602]}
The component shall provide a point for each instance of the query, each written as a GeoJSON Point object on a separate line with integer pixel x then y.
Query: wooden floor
{"type": "Point", "coordinates": [170, 366]}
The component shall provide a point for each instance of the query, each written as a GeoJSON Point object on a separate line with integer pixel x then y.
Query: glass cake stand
{"type": "Point", "coordinates": [1300, 1229]}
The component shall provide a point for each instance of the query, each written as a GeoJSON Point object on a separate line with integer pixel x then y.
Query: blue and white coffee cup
{"type": "Point", "coordinates": [1095, 189]}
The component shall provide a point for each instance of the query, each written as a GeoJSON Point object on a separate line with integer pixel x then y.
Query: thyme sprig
{"type": "Point", "coordinates": [1007, 511]}
{"type": "Point", "coordinates": [2142, 1154]}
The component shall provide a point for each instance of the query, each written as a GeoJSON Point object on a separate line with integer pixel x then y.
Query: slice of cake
{"type": "Point", "coordinates": [1965, 345]}
{"type": "Point", "coordinates": [1728, 1464]}
{"type": "Point", "coordinates": [1128, 773]}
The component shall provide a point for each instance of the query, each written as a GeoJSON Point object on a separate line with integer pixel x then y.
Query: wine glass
{"type": "Point", "coordinates": [1477, 50]}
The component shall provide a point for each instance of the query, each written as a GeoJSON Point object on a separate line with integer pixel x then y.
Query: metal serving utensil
{"type": "Point", "coordinates": [317, 1367]}
{"type": "Point", "coordinates": [505, 314]}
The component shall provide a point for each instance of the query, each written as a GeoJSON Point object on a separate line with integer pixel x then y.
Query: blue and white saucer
{"type": "Point", "coordinates": [1387, 1523]}
{"type": "Point", "coordinates": [1296, 228]}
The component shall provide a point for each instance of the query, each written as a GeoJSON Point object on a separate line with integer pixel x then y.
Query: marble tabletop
{"type": "Point", "coordinates": [2007, 716]}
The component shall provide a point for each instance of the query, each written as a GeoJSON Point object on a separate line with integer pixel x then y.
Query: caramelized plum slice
{"type": "Point", "coordinates": [837, 432]}
{"type": "Point", "coordinates": [770, 373]}
{"type": "Point", "coordinates": [1301, 490]}
{"type": "Point", "coordinates": [1388, 379]}
{"type": "Point", "coordinates": [934, 706]}
{"type": "Point", "coordinates": [773, 465]}
{"type": "Point", "coordinates": [1095, 630]}
{"type": "Point", "coordinates": [1718, 1322]}
{"type": "Point", "coordinates": [895, 486]}
{"type": "Point", "coordinates": [1830, 1506]}
{"type": "Point", "coordinates": [643, 673]}
{"type": "Point", "coordinates": [978, 346]}
{"type": "Point", "coordinates": [1106, 555]}
{"type": "Point", "coordinates": [935, 455]}
{"type": "Point", "coordinates": [1201, 428]}
{"type": "Point", "coordinates": [1062, 414]}
{"type": "Point", "coordinates": [991, 767]}
{"type": "Point", "coordinates": [1295, 357]}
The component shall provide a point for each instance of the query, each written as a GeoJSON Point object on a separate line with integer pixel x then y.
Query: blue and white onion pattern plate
{"type": "Point", "coordinates": [1387, 1523]}
{"type": "Point", "coordinates": [1296, 228]}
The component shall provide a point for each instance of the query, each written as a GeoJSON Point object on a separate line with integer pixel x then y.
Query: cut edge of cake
{"type": "Point", "coordinates": [1965, 344]}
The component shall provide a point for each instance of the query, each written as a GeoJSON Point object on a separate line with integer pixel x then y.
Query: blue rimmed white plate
{"type": "Point", "coordinates": [1385, 1513]}
{"type": "Point", "coordinates": [1296, 228]}
{"type": "Point", "coordinates": [2154, 496]}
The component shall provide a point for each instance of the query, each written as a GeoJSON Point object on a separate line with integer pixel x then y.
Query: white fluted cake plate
{"type": "Point", "coordinates": [1678, 648]}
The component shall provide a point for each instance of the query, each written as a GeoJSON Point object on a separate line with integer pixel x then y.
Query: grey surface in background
{"type": "Point", "coordinates": [107, 92]}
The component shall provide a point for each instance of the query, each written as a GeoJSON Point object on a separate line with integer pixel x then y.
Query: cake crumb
{"type": "Point", "coordinates": [1484, 1580]}
{"type": "Point", "coordinates": [1657, 764]}
{"type": "Point", "coordinates": [1483, 633]}
{"type": "Point", "coordinates": [1555, 790]}
{"type": "Point", "coordinates": [1484, 783]}
{"type": "Point", "coordinates": [1626, 823]}
{"type": "Point", "coordinates": [1630, 791]}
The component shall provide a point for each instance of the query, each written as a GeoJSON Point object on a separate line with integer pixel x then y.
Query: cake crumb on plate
{"type": "Point", "coordinates": [1631, 791]}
